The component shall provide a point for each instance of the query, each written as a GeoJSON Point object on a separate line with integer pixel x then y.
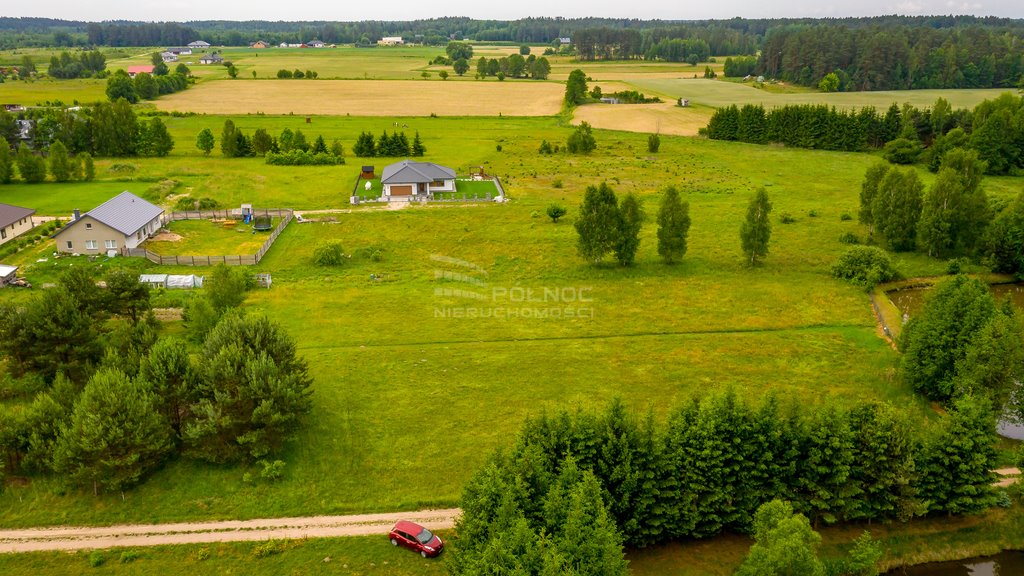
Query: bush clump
{"type": "Point", "coordinates": [865, 266]}
{"type": "Point", "coordinates": [301, 158]}
{"type": "Point", "coordinates": [329, 254]}
{"type": "Point", "coordinates": [849, 238]}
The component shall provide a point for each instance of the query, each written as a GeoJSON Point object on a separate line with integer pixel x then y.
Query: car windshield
{"type": "Point", "coordinates": [425, 536]}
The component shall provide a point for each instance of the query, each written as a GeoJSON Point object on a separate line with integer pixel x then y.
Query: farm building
{"type": "Point", "coordinates": [7, 274]}
{"type": "Point", "coordinates": [314, 44]}
{"type": "Point", "coordinates": [199, 45]}
{"type": "Point", "coordinates": [14, 220]}
{"type": "Point", "coordinates": [213, 58]}
{"type": "Point", "coordinates": [122, 222]}
{"type": "Point", "coordinates": [259, 44]}
{"type": "Point", "coordinates": [133, 70]}
{"type": "Point", "coordinates": [408, 178]}
{"type": "Point", "coordinates": [391, 41]}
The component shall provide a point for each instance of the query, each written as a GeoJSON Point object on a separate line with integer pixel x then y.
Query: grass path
{"type": "Point", "coordinates": [85, 538]}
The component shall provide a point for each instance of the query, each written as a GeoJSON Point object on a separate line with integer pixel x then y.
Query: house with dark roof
{"type": "Point", "coordinates": [14, 220]}
{"type": "Point", "coordinates": [121, 223]}
{"type": "Point", "coordinates": [212, 58]}
{"type": "Point", "coordinates": [169, 56]}
{"type": "Point", "coordinates": [315, 44]}
{"type": "Point", "coordinates": [409, 178]}
{"type": "Point", "coordinates": [180, 50]}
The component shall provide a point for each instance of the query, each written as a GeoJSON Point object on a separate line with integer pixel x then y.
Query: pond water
{"type": "Point", "coordinates": [1009, 563]}
{"type": "Point", "coordinates": [911, 300]}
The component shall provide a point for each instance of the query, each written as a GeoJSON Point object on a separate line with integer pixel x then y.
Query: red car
{"type": "Point", "coordinates": [416, 538]}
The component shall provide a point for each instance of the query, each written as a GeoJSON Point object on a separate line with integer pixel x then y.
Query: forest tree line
{"type": "Point", "coordinates": [994, 128]}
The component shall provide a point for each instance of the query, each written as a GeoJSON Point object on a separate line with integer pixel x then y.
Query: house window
{"type": "Point", "coordinates": [90, 244]}
{"type": "Point", "coordinates": [88, 225]}
{"type": "Point", "coordinates": [110, 244]}
{"type": "Point", "coordinates": [69, 244]}
{"type": "Point", "coordinates": [3, 233]}
{"type": "Point", "coordinates": [138, 235]}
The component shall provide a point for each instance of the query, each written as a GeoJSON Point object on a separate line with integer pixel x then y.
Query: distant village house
{"type": "Point", "coordinates": [391, 41]}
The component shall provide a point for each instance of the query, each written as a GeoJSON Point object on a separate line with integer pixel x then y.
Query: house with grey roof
{"type": "Point", "coordinates": [199, 45]}
{"type": "Point", "coordinates": [212, 58]}
{"type": "Point", "coordinates": [14, 220]}
{"type": "Point", "coordinates": [121, 223]}
{"type": "Point", "coordinates": [408, 178]}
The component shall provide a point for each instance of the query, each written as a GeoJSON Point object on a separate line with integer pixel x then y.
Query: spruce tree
{"type": "Point", "coordinates": [417, 146]}
{"type": "Point", "coordinates": [756, 230]}
{"type": "Point", "coordinates": [598, 224]}
{"type": "Point", "coordinates": [319, 145]}
{"type": "Point", "coordinates": [956, 463]}
{"type": "Point", "coordinates": [631, 220]}
{"type": "Point", "coordinates": [299, 141]}
{"type": "Point", "coordinates": [673, 226]}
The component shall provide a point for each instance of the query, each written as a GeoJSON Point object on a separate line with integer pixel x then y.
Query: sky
{"type": "Point", "coordinates": [342, 10]}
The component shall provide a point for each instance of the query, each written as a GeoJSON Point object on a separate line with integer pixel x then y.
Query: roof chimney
{"type": "Point", "coordinates": [77, 214]}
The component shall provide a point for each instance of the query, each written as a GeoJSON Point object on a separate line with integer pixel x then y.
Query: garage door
{"type": "Point", "coordinates": [401, 190]}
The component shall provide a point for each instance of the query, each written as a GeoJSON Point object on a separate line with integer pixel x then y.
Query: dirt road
{"type": "Point", "coordinates": [33, 539]}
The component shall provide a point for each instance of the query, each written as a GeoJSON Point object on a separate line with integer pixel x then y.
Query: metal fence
{"type": "Point", "coordinates": [230, 260]}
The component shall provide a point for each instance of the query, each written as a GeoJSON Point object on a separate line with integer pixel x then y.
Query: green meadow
{"type": "Point", "coordinates": [427, 357]}
{"type": "Point", "coordinates": [480, 315]}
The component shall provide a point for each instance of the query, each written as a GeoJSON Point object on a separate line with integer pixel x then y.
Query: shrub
{"type": "Point", "coordinates": [653, 143]}
{"type": "Point", "coordinates": [96, 559]}
{"type": "Point", "coordinates": [845, 217]}
{"type": "Point", "coordinates": [264, 549]}
{"type": "Point", "coordinates": [786, 218]}
{"type": "Point", "coordinates": [272, 470]}
{"type": "Point", "coordinates": [556, 211]}
{"type": "Point", "coordinates": [902, 151]}
{"type": "Point", "coordinates": [557, 183]}
{"type": "Point", "coordinates": [208, 204]}
{"type": "Point", "coordinates": [849, 238]}
{"type": "Point", "coordinates": [122, 168]}
{"type": "Point", "coordinates": [865, 266]}
{"type": "Point", "coordinates": [184, 204]}
{"type": "Point", "coordinates": [812, 213]}
{"type": "Point", "coordinates": [129, 556]}
{"type": "Point", "coordinates": [955, 266]}
{"type": "Point", "coordinates": [301, 158]}
{"type": "Point", "coordinates": [329, 254]}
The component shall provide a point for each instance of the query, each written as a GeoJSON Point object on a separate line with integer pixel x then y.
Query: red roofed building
{"type": "Point", "coordinates": [133, 70]}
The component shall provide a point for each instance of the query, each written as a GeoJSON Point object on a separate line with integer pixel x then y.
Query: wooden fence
{"type": "Point", "coordinates": [225, 214]}
{"type": "Point", "coordinates": [236, 260]}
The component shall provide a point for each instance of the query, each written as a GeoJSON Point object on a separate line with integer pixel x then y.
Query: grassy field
{"type": "Point", "coordinates": [418, 377]}
{"type": "Point", "coordinates": [208, 237]}
{"type": "Point", "coordinates": [370, 98]}
{"type": "Point", "coordinates": [395, 357]}
{"type": "Point", "coordinates": [718, 93]}
{"type": "Point", "coordinates": [39, 92]}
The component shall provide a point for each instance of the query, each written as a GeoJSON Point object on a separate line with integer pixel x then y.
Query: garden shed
{"type": "Point", "coordinates": [7, 274]}
{"type": "Point", "coordinates": [367, 173]}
